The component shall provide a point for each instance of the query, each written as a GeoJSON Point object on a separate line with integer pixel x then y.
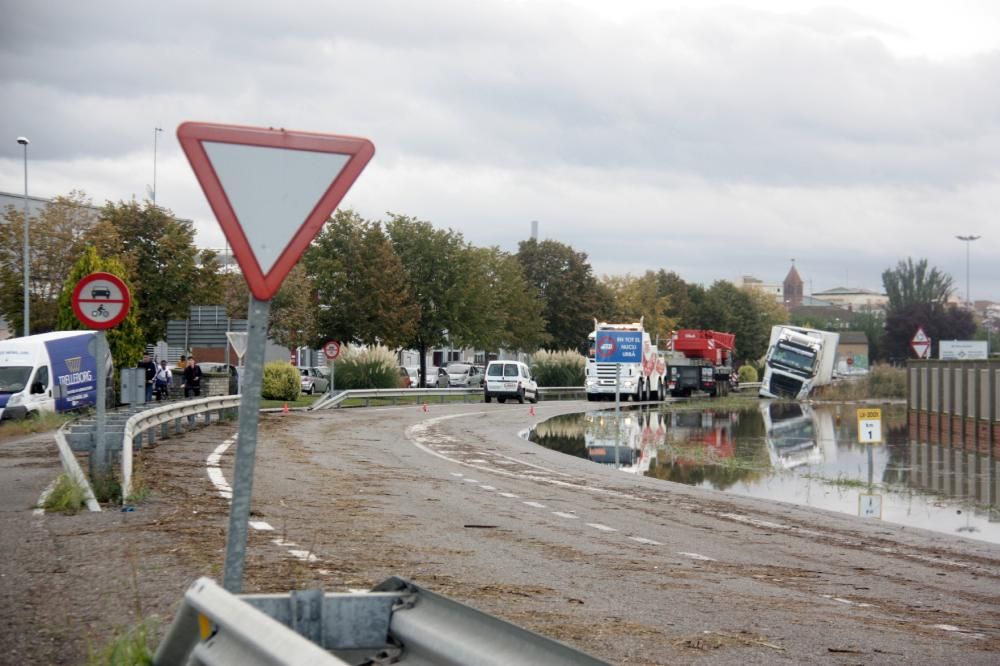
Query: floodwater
{"type": "Point", "coordinates": [803, 454]}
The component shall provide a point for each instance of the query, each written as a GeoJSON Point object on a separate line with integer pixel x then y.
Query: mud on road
{"type": "Point", "coordinates": [353, 500]}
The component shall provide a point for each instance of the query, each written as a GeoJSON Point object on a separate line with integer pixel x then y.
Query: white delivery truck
{"type": "Point", "coordinates": [798, 360]}
{"type": "Point", "coordinates": [49, 372]}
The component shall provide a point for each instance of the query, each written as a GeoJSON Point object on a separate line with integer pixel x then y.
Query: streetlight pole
{"type": "Point", "coordinates": [968, 242]}
{"type": "Point", "coordinates": [23, 140]}
{"type": "Point", "coordinates": [156, 135]}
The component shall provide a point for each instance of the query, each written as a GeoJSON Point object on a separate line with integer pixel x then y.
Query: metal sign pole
{"type": "Point", "coordinates": [246, 446]}
{"type": "Point", "coordinates": [618, 407]}
{"type": "Point", "coordinates": [100, 449]}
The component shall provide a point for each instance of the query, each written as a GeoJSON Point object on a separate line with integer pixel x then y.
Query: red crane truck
{"type": "Point", "coordinates": [700, 361]}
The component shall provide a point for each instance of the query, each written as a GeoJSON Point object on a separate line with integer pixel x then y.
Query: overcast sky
{"type": "Point", "coordinates": [712, 139]}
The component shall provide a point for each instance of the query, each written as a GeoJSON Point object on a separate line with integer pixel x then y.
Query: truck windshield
{"type": "Point", "coordinates": [13, 378]}
{"type": "Point", "coordinates": [797, 359]}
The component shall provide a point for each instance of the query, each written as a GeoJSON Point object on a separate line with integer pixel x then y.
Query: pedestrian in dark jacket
{"type": "Point", "coordinates": [150, 369]}
{"type": "Point", "coordinates": [192, 379]}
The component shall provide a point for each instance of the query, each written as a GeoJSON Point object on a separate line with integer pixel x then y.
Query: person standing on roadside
{"type": "Point", "coordinates": [192, 379]}
{"type": "Point", "coordinates": [150, 368]}
{"type": "Point", "coordinates": [162, 382]}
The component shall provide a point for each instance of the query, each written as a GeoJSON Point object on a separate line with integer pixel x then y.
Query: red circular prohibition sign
{"type": "Point", "coordinates": [95, 291]}
{"type": "Point", "coordinates": [609, 341]}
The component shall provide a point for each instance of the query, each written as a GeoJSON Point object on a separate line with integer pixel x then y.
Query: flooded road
{"type": "Point", "coordinates": [802, 454]}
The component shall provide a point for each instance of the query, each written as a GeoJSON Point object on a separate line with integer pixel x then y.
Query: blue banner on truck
{"type": "Point", "coordinates": [75, 370]}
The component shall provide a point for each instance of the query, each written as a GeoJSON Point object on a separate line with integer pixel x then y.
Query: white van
{"type": "Point", "coordinates": [509, 379]}
{"type": "Point", "coordinates": [49, 372]}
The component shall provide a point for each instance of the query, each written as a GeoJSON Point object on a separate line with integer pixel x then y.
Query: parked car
{"type": "Point", "coordinates": [464, 375]}
{"type": "Point", "coordinates": [430, 376]}
{"type": "Point", "coordinates": [442, 378]}
{"type": "Point", "coordinates": [315, 380]}
{"type": "Point", "coordinates": [509, 379]}
{"type": "Point", "coordinates": [413, 374]}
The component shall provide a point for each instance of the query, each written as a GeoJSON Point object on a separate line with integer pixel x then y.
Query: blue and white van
{"type": "Point", "coordinates": [49, 372]}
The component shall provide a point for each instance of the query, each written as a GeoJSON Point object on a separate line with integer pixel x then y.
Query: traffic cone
{"type": "Point", "coordinates": [284, 410]}
{"type": "Point", "coordinates": [531, 410]}
{"type": "Point", "coordinates": [424, 407]}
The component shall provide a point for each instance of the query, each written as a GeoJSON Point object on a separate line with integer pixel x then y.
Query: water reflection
{"type": "Point", "coordinates": [803, 454]}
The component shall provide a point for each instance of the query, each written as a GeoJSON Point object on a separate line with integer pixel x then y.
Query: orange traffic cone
{"type": "Point", "coordinates": [531, 410]}
{"type": "Point", "coordinates": [424, 407]}
{"type": "Point", "coordinates": [284, 410]}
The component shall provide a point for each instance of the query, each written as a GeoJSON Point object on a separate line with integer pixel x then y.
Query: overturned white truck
{"type": "Point", "coordinates": [798, 360]}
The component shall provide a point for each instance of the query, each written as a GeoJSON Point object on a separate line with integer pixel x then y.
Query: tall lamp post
{"type": "Point", "coordinates": [156, 135]}
{"type": "Point", "coordinates": [968, 242]}
{"type": "Point", "coordinates": [23, 140]}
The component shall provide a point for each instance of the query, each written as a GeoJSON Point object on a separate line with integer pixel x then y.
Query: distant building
{"type": "Point", "coordinates": [773, 289]}
{"type": "Point", "coordinates": [854, 299]}
{"type": "Point", "coordinates": [793, 288]}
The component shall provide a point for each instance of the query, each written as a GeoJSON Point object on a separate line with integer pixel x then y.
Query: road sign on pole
{"type": "Point", "coordinates": [332, 350]}
{"type": "Point", "coordinates": [921, 344]}
{"type": "Point", "coordinates": [618, 347]}
{"type": "Point", "coordinates": [870, 426]}
{"type": "Point", "coordinates": [271, 190]}
{"type": "Point", "coordinates": [101, 300]}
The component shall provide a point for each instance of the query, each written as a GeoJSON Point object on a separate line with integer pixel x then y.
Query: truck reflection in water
{"type": "Point", "coordinates": [803, 454]}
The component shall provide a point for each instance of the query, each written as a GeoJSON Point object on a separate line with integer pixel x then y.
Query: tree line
{"type": "Point", "coordinates": [403, 283]}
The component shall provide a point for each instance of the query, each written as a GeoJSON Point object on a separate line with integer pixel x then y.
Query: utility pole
{"type": "Point", "coordinates": [968, 242]}
{"type": "Point", "coordinates": [156, 135]}
{"type": "Point", "coordinates": [23, 140]}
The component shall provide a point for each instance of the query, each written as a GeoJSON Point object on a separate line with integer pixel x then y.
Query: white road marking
{"type": "Point", "coordinates": [457, 474]}
{"type": "Point", "coordinates": [563, 514]}
{"type": "Point", "coordinates": [646, 541]}
{"type": "Point", "coordinates": [698, 556]}
{"type": "Point", "coordinates": [40, 507]}
{"type": "Point", "coordinates": [485, 487]}
{"type": "Point", "coordinates": [753, 521]}
{"type": "Point", "coordinates": [218, 479]}
{"type": "Point", "coordinates": [470, 480]}
{"type": "Point", "coordinates": [537, 505]}
{"type": "Point", "coordinates": [417, 435]}
{"type": "Point", "coordinates": [603, 528]}
{"type": "Point", "coordinates": [510, 495]}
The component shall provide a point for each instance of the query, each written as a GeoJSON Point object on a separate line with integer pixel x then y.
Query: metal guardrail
{"type": "Point", "coordinates": [395, 396]}
{"type": "Point", "coordinates": [397, 622]}
{"type": "Point", "coordinates": [145, 423]}
{"type": "Point", "coordinates": [71, 467]}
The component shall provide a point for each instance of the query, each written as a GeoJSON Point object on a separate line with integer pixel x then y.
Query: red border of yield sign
{"type": "Point", "coordinates": [89, 322]}
{"type": "Point", "coordinates": [191, 136]}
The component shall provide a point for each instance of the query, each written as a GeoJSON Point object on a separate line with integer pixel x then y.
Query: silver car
{"type": "Point", "coordinates": [314, 380]}
{"type": "Point", "coordinates": [464, 375]}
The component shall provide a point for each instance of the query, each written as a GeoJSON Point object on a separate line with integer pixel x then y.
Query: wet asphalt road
{"type": "Point", "coordinates": [631, 569]}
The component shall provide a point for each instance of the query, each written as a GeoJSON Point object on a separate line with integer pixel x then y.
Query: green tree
{"type": "Point", "coordinates": [126, 340]}
{"type": "Point", "coordinates": [56, 241]}
{"type": "Point", "coordinates": [444, 282]}
{"type": "Point", "coordinates": [726, 308]}
{"type": "Point", "coordinates": [678, 293]}
{"type": "Point", "coordinates": [168, 272]}
{"type": "Point", "coordinates": [571, 295]}
{"type": "Point", "coordinates": [292, 320]}
{"type": "Point", "coordinates": [640, 297]}
{"type": "Point", "coordinates": [918, 297]}
{"type": "Point", "coordinates": [510, 309]}
{"type": "Point", "coordinates": [362, 290]}
{"type": "Point", "coordinates": [911, 283]}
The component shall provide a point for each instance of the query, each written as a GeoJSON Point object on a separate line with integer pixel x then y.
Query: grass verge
{"type": "Point", "coordinates": [302, 401]}
{"type": "Point", "coordinates": [67, 496]}
{"type": "Point", "coordinates": [33, 424]}
{"type": "Point", "coordinates": [130, 647]}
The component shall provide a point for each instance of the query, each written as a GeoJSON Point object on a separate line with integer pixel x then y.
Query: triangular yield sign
{"type": "Point", "coordinates": [271, 190]}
